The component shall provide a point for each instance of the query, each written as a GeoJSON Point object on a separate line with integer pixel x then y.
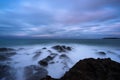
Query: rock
{"type": "Point", "coordinates": [37, 54]}
{"type": "Point", "coordinates": [48, 78]}
{"type": "Point", "coordinates": [69, 48]}
{"type": "Point", "coordinates": [63, 56]}
{"type": "Point", "coordinates": [21, 49]}
{"type": "Point", "coordinates": [44, 62]}
{"type": "Point", "coordinates": [6, 49]}
{"type": "Point", "coordinates": [49, 51]}
{"type": "Point", "coordinates": [102, 53]}
{"type": "Point", "coordinates": [52, 62]}
{"type": "Point", "coordinates": [9, 54]}
{"type": "Point", "coordinates": [62, 48]}
{"type": "Point", "coordinates": [34, 72]}
{"type": "Point", "coordinates": [44, 48]}
{"type": "Point", "coordinates": [94, 69]}
{"type": "Point", "coordinates": [3, 58]}
{"type": "Point", "coordinates": [6, 72]}
{"type": "Point", "coordinates": [6, 55]}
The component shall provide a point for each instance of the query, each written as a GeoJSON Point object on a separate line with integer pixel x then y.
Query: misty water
{"type": "Point", "coordinates": [26, 49]}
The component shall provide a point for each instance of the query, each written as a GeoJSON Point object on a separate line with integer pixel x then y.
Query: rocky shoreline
{"type": "Point", "coordinates": [86, 69]}
{"type": "Point", "coordinates": [92, 69]}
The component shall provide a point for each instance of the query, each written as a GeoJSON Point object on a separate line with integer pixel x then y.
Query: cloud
{"type": "Point", "coordinates": [71, 18]}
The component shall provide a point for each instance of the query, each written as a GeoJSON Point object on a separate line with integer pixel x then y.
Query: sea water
{"type": "Point", "coordinates": [81, 49]}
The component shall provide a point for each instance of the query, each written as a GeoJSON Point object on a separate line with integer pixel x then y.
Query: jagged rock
{"type": "Point", "coordinates": [94, 69]}
{"type": "Point", "coordinates": [62, 48]}
{"type": "Point", "coordinates": [45, 61]}
{"type": "Point", "coordinates": [34, 72]}
{"type": "Point", "coordinates": [6, 49]}
{"type": "Point", "coordinates": [102, 53]}
{"type": "Point", "coordinates": [6, 72]}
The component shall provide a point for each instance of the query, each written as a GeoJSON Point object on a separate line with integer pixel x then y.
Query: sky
{"type": "Point", "coordinates": [60, 18]}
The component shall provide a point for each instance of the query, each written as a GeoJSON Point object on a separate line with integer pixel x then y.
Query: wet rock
{"type": "Point", "coordinates": [52, 62]}
{"type": "Point", "coordinates": [94, 69]}
{"type": "Point", "coordinates": [48, 78]}
{"type": "Point", "coordinates": [34, 72]}
{"type": "Point", "coordinates": [6, 49]}
{"type": "Point", "coordinates": [49, 51]}
{"type": "Point", "coordinates": [6, 72]}
{"type": "Point", "coordinates": [69, 48]}
{"type": "Point", "coordinates": [6, 55]}
{"type": "Point", "coordinates": [4, 58]}
{"type": "Point", "coordinates": [63, 56]}
{"type": "Point", "coordinates": [43, 62]}
{"type": "Point", "coordinates": [62, 48]}
{"type": "Point", "coordinates": [21, 49]}
{"type": "Point", "coordinates": [53, 55]}
{"type": "Point", "coordinates": [44, 48]}
{"type": "Point", "coordinates": [101, 53]}
{"type": "Point", "coordinates": [37, 54]}
{"type": "Point", "coordinates": [46, 60]}
{"type": "Point", "coordinates": [9, 54]}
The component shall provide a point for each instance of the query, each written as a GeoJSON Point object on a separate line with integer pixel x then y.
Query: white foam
{"type": "Point", "coordinates": [24, 57]}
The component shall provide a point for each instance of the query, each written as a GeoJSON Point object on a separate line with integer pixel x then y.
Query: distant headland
{"type": "Point", "coordinates": [110, 38]}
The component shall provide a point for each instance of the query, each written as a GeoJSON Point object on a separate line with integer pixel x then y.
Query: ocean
{"type": "Point", "coordinates": [31, 51]}
{"type": "Point", "coordinates": [20, 42]}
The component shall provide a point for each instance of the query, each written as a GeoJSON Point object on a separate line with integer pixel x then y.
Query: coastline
{"type": "Point", "coordinates": [50, 58]}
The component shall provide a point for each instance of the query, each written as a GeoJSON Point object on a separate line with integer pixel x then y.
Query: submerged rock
{"type": "Point", "coordinates": [94, 69]}
{"type": "Point", "coordinates": [34, 72]}
{"type": "Point", "coordinates": [62, 48]}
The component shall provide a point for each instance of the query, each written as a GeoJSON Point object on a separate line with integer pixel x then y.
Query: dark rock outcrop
{"type": "Point", "coordinates": [4, 58]}
{"type": "Point", "coordinates": [6, 72]}
{"type": "Point", "coordinates": [6, 49]}
{"type": "Point", "coordinates": [46, 60]}
{"type": "Point", "coordinates": [62, 48]}
{"type": "Point", "coordinates": [34, 72]}
{"type": "Point", "coordinates": [94, 69]}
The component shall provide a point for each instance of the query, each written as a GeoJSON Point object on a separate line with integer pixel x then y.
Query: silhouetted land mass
{"type": "Point", "coordinates": [111, 38]}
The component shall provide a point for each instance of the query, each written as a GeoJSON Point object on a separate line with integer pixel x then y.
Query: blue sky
{"type": "Point", "coordinates": [60, 18]}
